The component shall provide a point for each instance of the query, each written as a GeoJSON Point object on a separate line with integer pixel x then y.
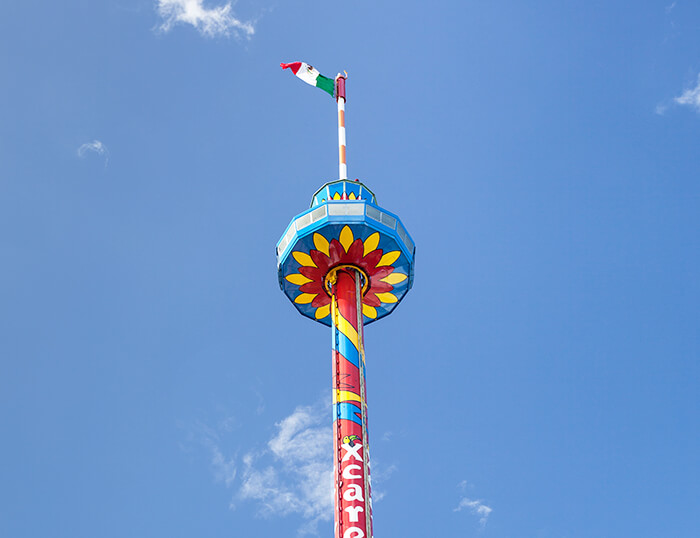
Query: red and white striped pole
{"type": "Point", "coordinates": [340, 97]}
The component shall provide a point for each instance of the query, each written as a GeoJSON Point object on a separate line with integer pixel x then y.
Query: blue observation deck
{"type": "Point", "coordinates": [345, 226]}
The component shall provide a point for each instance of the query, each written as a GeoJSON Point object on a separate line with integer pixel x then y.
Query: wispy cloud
{"type": "Point", "coordinates": [224, 467]}
{"type": "Point", "coordinates": [261, 401]}
{"type": "Point", "coordinates": [210, 22]}
{"type": "Point", "coordinates": [690, 97]}
{"type": "Point", "coordinates": [661, 109]}
{"type": "Point", "coordinates": [476, 507]}
{"type": "Point", "coordinates": [95, 146]}
{"type": "Point", "coordinates": [290, 474]}
{"type": "Point", "coordinates": [380, 475]}
{"type": "Point", "coordinates": [294, 475]}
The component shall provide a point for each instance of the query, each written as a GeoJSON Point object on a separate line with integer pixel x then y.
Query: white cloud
{"type": "Point", "coordinates": [380, 475]}
{"type": "Point", "coordinates": [261, 401]}
{"type": "Point", "coordinates": [291, 475]}
{"type": "Point", "coordinates": [299, 477]}
{"type": "Point", "coordinates": [477, 508]}
{"type": "Point", "coordinates": [690, 97]}
{"type": "Point", "coordinates": [225, 469]}
{"type": "Point", "coordinates": [94, 146]}
{"type": "Point", "coordinates": [211, 22]}
{"type": "Point", "coordinates": [661, 109]}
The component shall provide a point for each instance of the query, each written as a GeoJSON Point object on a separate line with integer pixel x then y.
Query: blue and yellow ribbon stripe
{"type": "Point", "coordinates": [346, 348]}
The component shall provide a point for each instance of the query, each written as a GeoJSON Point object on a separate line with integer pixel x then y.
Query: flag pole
{"type": "Point", "coordinates": [340, 98]}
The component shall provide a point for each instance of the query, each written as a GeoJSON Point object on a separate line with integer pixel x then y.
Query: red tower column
{"type": "Point", "coordinates": [353, 512]}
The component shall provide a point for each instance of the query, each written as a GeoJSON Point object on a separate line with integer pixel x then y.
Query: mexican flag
{"type": "Point", "coordinates": [310, 75]}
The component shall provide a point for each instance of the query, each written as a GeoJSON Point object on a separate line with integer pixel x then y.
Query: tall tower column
{"type": "Point", "coordinates": [346, 262]}
{"type": "Point", "coordinates": [353, 512]}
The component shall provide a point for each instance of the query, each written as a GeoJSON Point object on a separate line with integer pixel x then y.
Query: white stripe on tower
{"type": "Point", "coordinates": [342, 166]}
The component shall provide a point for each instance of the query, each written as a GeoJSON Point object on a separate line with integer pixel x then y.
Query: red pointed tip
{"type": "Point", "coordinates": [294, 66]}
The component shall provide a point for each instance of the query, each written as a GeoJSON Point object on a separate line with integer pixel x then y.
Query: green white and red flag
{"type": "Point", "coordinates": [310, 75]}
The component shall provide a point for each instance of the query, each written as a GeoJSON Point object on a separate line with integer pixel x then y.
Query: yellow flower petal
{"type": "Point", "coordinates": [387, 297]}
{"type": "Point", "coordinates": [346, 237]}
{"type": "Point", "coordinates": [298, 279]}
{"type": "Point", "coordinates": [323, 311]}
{"type": "Point", "coordinates": [389, 258]}
{"type": "Point", "coordinates": [321, 244]}
{"type": "Point", "coordinates": [303, 258]}
{"type": "Point", "coordinates": [306, 298]}
{"type": "Point", "coordinates": [369, 311]}
{"type": "Point", "coordinates": [371, 243]}
{"type": "Point", "coordinates": [394, 278]}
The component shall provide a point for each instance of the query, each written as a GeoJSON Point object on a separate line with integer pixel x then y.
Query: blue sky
{"type": "Point", "coordinates": [541, 378]}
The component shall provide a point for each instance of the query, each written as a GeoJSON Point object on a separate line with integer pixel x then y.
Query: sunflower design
{"type": "Point", "coordinates": [375, 265]}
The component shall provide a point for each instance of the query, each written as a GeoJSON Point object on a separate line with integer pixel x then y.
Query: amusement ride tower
{"type": "Point", "coordinates": [346, 262]}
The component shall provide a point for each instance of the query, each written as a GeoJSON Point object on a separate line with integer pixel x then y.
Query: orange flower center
{"type": "Point", "coordinates": [331, 277]}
